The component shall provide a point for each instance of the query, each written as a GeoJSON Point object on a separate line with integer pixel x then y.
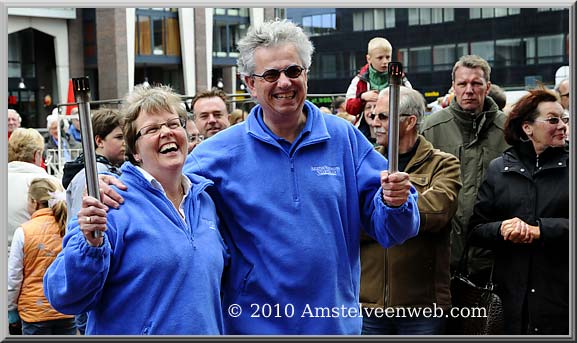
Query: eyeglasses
{"type": "Point", "coordinates": [271, 75]}
{"type": "Point", "coordinates": [153, 129]}
{"type": "Point", "coordinates": [554, 120]}
{"type": "Point", "coordinates": [385, 116]}
{"type": "Point", "coordinates": [194, 137]}
{"type": "Point", "coordinates": [562, 95]}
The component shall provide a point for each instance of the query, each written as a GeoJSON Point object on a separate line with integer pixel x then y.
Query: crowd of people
{"type": "Point", "coordinates": [218, 222]}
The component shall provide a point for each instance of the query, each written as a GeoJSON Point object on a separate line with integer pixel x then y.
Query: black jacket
{"type": "Point", "coordinates": [532, 279]}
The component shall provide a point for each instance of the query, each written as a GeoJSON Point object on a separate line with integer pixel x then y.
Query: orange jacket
{"type": "Point", "coordinates": [41, 245]}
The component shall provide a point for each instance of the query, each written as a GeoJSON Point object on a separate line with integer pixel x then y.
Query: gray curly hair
{"type": "Point", "coordinates": [271, 34]}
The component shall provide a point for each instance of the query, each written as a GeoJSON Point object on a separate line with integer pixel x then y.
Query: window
{"type": "Point", "coordinates": [550, 49]}
{"type": "Point", "coordinates": [427, 16]}
{"type": "Point", "coordinates": [529, 50]}
{"type": "Point", "coordinates": [373, 19]}
{"type": "Point", "coordinates": [509, 52]}
{"type": "Point", "coordinates": [229, 26]}
{"type": "Point", "coordinates": [320, 24]}
{"type": "Point", "coordinates": [420, 59]}
{"type": "Point", "coordinates": [157, 33]}
{"type": "Point", "coordinates": [484, 13]}
{"type": "Point", "coordinates": [443, 57]}
{"type": "Point", "coordinates": [484, 49]}
{"type": "Point", "coordinates": [329, 66]}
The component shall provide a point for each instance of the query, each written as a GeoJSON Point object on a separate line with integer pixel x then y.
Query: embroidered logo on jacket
{"type": "Point", "coordinates": [326, 170]}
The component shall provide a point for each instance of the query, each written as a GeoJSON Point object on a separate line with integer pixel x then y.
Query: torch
{"type": "Point", "coordinates": [395, 78]}
{"type": "Point", "coordinates": [82, 96]}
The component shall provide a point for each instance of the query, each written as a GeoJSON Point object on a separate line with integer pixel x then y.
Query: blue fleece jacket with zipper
{"type": "Point", "coordinates": [292, 216]}
{"type": "Point", "coordinates": [155, 274]}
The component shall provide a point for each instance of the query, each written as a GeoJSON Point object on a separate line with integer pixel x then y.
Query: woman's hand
{"type": "Point", "coordinates": [517, 231]}
{"type": "Point", "coordinates": [92, 217]}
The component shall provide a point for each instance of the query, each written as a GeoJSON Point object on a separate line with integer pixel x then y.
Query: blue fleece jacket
{"type": "Point", "coordinates": [154, 275]}
{"type": "Point", "coordinates": [293, 219]}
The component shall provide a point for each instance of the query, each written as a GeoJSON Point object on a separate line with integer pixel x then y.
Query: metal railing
{"type": "Point", "coordinates": [54, 159]}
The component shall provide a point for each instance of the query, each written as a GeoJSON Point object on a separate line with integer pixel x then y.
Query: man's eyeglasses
{"type": "Point", "coordinates": [562, 95]}
{"type": "Point", "coordinates": [384, 116]}
{"type": "Point", "coordinates": [193, 138]}
{"type": "Point", "coordinates": [271, 75]}
{"type": "Point", "coordinates": [554, 120]}
{"type": "Point", "coordinates": [154, 129]}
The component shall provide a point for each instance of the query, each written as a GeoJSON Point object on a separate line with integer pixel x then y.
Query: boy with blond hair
{"type": "Point", "coordinates": [371, 79]}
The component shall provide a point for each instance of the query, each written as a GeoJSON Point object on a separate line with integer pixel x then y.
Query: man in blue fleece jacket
{"type": "Point", "coordinates": [294, 187]}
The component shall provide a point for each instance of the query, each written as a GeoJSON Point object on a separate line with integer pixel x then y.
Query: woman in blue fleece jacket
{"type": "Point", "coordinates": [157, 268]}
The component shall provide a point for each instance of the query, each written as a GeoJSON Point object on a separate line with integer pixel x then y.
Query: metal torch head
{"type": "Point", "coordinates": [395, 73]}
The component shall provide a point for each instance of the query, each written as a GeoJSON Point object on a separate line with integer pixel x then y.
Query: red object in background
{"type": "Point", "coordinates": [12, 100]}
{"type": "Point", "coordinates": [70, 98]}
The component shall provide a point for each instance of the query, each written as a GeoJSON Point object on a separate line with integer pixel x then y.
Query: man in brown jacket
{"type": "Point", "coordinates": [405, 289]}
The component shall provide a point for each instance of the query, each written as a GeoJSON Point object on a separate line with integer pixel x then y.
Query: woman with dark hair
{"type": "Point", "coordinates": [522, 213]}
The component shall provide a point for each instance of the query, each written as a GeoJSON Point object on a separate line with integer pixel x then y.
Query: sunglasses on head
{"type": "Point", "coordinates": [271, 75]}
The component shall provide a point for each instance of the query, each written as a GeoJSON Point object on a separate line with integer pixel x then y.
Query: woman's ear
{"type": "Point", "coordinates": [528, 129]}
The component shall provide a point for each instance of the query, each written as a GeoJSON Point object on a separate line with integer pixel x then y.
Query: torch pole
{"type": "Point", "coordinates": [395, 78]}
{"type": "Point", "coordinates": [82, 96]}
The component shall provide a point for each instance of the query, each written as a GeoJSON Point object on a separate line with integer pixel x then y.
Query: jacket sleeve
{"type": "Point", "coordinates": [354, 104]}
{"type": "Point", "coordinates": [387, 225]}
{"type": "Point", "coordinates": [485, 229]}
{"type": "Point", "coordinates": [15, 269]}
{"type": "Point", "coordinates": [554, 230]}
{"type": "Point", "coordinates": [74, 281]}
{"type": "Point", "coordinates": [438, 203]}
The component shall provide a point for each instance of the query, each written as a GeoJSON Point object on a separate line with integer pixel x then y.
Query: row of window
{"type": "Point", "coordinates": [499, 53]}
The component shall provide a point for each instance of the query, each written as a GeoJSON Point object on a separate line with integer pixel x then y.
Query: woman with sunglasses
{"type": "Point", "coordinates": [522, 213]}
{"type": "Point", "coordinates": [156, 268]}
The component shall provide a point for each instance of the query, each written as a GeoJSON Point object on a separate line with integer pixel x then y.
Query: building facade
{"type": "Point", "coordinates": [195, 48]}
{"type": "Point", "coordinates": [188, 48]}
{"type": "Point", "coordinates": [524, 46]}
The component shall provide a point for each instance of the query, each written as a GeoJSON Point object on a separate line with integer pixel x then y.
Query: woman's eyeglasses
{"type": "Point", "coordinates": [153, 129]}
{"type": "Point", "coordinates": [554, 120]}
{"type": "Point", "coordinates": [271, 75]}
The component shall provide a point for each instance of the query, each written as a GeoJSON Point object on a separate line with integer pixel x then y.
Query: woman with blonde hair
{"type": "Point", "coordinates": [34, 247]}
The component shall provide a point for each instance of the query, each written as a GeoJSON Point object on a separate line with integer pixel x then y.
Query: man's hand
{"type": "Point", "coordinates": [396, 188]}
{"type": "Point", "coordinates": [109, 196]}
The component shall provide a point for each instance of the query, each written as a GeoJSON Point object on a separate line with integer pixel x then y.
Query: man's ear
{"type": "Point", "coordinates": [99, 141]}
{"type": "Point", "coordinates": [249, 82]}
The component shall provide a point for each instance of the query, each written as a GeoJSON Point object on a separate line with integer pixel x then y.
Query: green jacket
{"type": "Point", "coordinates": [416, 273]}
{"type": "Point", "coordinates": [475, 141]}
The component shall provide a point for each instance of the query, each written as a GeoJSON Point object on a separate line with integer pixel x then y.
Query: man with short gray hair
{"type": "Point", "coordinates": [14, 121]}
{"type": "Point", "coordinates": [421, 265]}
{"type": "Point", "coordinates": [471, 128]}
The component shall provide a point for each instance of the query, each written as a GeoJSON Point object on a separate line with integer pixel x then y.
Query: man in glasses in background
{"type": "Point", "coordinates": [471, 128]}
{"type": "Point", "coordinates": [194, 136]}
{"type": "Point", "coordinates": [421, 265]}
{"type": "Point", "coordinates": [210, 113]}
{"type": "Point", "coordinates": [563, 89]}
{"type": "Point", "coordinates": [294, 187]}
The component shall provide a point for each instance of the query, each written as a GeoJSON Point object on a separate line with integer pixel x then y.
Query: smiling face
{"type": "Point", "coordinates": [163, 153]}
{"type": "Point", "coordinates": [211, 116]}
{"type": "Point", "coordinates": [286, 96]}
{"type": "Point", "coordinates": [542, 133]}
{"type": "Point", "coordinates": [471, 87]}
